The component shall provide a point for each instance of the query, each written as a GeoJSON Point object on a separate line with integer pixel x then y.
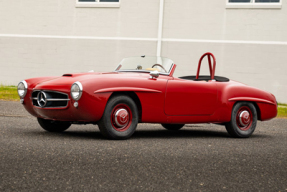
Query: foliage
{"type": "Point", "coordinates": [9, 93]}
{"type": "Point", "coordinates": [282, 111]}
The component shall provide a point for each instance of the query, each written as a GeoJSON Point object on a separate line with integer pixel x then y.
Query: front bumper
{"type": "Point", "coordinates": [90, 108]}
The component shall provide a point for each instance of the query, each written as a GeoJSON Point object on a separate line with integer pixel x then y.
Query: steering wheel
{"type": "Point", "coordinates": [159, 66]}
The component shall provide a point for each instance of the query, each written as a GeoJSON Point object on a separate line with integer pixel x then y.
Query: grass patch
{"type": "Point", "coordinates": [282, 105]}
{"type": "Point", "coordinates": [9, 93]}
{"type": "Point", "coordinates": [282, 111]}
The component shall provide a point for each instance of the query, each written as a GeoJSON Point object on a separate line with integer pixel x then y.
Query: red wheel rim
{"type": "Point", "coordinates": [121, 117]}
{"type": "Point", "coordinates": [244, 118]}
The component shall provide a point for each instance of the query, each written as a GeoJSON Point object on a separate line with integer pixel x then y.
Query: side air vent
{"type": "Point", "coordinates": [68, 75]}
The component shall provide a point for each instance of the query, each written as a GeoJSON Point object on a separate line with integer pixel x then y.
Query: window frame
{"type": "Point", "coordinates": [253, 5]}
{"type": "Point", "coordinates": [97, 4]}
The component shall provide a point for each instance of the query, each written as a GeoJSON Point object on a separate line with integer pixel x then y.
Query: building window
{"type": "Point", "coordinates": [97, 3]}
{"type": "Point", "coordinates": [254, 4]}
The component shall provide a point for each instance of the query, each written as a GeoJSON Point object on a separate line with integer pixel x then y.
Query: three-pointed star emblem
{"type": "Point", "coordinates": [42, 99]}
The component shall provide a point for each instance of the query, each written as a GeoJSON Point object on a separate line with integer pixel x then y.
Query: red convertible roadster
{"type": "Point", "coordinates": [143, 90]}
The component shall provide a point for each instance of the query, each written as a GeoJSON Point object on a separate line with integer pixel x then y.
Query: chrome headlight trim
{"type": "Point", "coordinates": [22, 91]}
{"type": "Point", "coordinates": [76, 95]}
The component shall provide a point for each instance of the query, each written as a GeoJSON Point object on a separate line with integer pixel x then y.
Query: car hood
{"type": "Point", "coordinates": [69, 79]}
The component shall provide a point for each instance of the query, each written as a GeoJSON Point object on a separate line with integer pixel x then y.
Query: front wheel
{"type": "Point", "coordinates": [243, 120]}
{"type": "Point", "coordinates": [120, 118]}
{"type": "Point", "coordinates": [173, 127]}
{"type": "Point", "coordinates": [53, 126]}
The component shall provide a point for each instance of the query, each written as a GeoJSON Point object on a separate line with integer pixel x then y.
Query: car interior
{"type": "Point", "coordinates": [211, 69]}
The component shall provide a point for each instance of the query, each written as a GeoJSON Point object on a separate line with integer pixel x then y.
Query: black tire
{"type": "Point", "coordinates": [53, 126]}
{"type": "Point", "coordinates": [115, 126]}
{"type": "Point", "coordinates": [238, 128]}
{"type": "Point", "coordinates": [173, 127]}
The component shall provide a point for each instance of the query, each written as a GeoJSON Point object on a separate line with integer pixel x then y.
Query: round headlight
{"type": "Point", "coordinates": [76, 90]}
{"type": "Point", "coordinates": [22, 89]}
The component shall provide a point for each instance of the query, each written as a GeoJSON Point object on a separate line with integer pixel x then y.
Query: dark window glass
{"type": "Point", "coordinates": [267, 1]}
{"type": "Point", "coordinates": [239, 1]}
{"type": "Point", "coordinates": [87, 0]}
{"type": "Point", "coordinates": [109, 0]}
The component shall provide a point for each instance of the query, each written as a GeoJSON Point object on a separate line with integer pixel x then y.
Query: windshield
{"type": "Point", "coordinates": [146, 64]}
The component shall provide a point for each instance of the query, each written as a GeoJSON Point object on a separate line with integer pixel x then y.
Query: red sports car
{"type": "Point", "coordinates": [143, 90]}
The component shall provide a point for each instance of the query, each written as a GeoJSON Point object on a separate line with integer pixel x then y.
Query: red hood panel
{"type": "Point", "coordinates": [69, 79]}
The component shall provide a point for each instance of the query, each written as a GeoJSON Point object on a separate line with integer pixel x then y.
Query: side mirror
{"type": "Point", "coordinates": [154, 74]}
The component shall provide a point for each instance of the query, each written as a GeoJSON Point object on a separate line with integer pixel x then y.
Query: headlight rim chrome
{"type": "Point", "coordinates": [25, 88]}
{"type": "Point", "coordinates": [79, 84]}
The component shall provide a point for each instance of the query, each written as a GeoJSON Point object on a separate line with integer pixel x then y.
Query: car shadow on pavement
{"type": "Point", "coordinates": [179, 134]}
{"type": "Point", "coordinates": [71, 134]}
{"type": "Point", "coordinates": [143, 134]}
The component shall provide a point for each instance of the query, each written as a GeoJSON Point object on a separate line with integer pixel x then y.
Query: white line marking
{"type": "Point", "coordinates": [78, 37]}
{"type": "Point", "coordinates": [226, 41]}
{"type": "Point", "coordinates": [147, 39]}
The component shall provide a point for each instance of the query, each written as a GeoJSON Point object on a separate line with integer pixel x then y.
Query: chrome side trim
{"type": "Point", "coordinates": [59, 107]}
{"type": "Point", "coordinates": [35, 98]}
{"type": "Point", "coordinates": [58, 99]}
{"type": "Point", "coordinates": [51, 91]}
{"type": "Point", "coordinates": [251, 99]}
{"type": "Point", "coordinates": [112, 89]}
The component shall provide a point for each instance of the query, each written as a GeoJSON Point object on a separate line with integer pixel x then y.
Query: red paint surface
{"type": "Point", "coordinates": [163, 100]}
{"type": "Point", "coordinates": [185, 97]}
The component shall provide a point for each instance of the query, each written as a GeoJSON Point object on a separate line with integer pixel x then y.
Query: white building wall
{"type": "Point", "coordinates": [250, 44]}
{"type": "Point", "coordinates": [134, 18]}
{"type": "Point", "coordinates": [35, 36]}
{"type": "Point", "coordinates": [44, 38]}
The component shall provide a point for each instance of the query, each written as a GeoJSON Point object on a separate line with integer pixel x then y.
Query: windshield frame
{"type": "Point", "coordinates": [144, 71]}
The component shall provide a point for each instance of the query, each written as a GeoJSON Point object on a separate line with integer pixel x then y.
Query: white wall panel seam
{"type": "Point", "coordinates": [147, 39]}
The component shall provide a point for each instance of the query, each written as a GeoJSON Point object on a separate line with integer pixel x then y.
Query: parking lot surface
{"type": "Point", "coordinates": [197, 158]}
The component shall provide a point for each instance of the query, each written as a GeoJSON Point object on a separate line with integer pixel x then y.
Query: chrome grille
{"type": "Point", "coordinates": [49, 99]}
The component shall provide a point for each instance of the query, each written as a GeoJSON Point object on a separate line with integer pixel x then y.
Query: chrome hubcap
{"type": "Point", "coordinates": [244, 118]}
{"type": "Point", "coordinates": [121, 117]}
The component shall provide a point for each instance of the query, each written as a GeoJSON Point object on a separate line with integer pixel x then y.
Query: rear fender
{"type": "Point", "coordinates": [266, 109]}
{"type": "Point", "coordinates": [233, 92]}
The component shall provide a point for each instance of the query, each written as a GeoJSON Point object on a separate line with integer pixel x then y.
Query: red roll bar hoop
{"type": "Point", "coordinates": [211, 69]}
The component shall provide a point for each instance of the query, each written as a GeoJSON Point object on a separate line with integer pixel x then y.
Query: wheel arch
{"type": "Point", "coordinates": [264, 102]}
{"type": "Point", "coordinates": [255, 105]}
{"type": "Point", "coordinates": [134, 97]}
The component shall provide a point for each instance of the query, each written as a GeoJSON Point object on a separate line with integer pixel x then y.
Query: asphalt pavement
{"type": "Point", "coordinates": [197, 158]}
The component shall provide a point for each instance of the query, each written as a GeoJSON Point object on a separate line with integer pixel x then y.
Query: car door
{"type": "Point", "coordinates": [186, 97]}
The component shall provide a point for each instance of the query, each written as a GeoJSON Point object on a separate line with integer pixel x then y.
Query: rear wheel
{"type": "Point", "coordinates": [173, 127]}
{"type": "Point", "coordinates": [243, 120]}
{"type": "Point", "coordinates": [53, 126]}
{"type": "Point", "coordinates": [120, 118]}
